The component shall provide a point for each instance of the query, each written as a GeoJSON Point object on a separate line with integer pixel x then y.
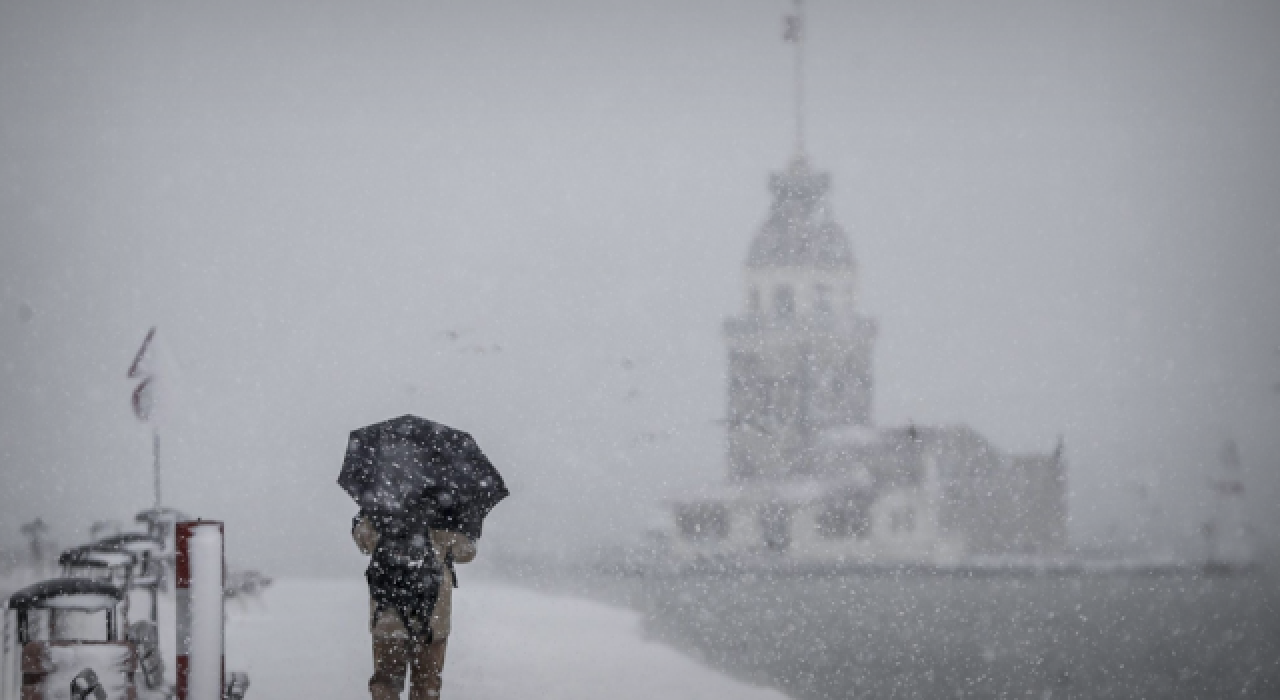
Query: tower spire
{"type": "Point", "coordinates": [795, 33]}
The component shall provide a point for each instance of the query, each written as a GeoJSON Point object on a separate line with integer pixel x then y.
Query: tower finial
{"type": "Point", "coordinates": [794, 33]}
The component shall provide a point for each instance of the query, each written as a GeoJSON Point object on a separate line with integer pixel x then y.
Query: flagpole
{"type": "Point", "coordinates": [143, 368]}
{"type": "Point", "coordinates": [800, 79]}
{"type": "Point", "coordinates": [797, 34]}
{"type": "Point", "coordinates": [155, 456]}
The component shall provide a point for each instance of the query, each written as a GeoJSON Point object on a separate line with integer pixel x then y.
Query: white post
{"type": "Point", "coordinates": [200, 580]}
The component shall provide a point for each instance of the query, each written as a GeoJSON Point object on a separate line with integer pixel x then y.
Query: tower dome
{"type": "Point", "coordinates": [800, 231]}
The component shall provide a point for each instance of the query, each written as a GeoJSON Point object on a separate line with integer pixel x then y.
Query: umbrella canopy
{"type": "Point", "coordinates": [411, 467]}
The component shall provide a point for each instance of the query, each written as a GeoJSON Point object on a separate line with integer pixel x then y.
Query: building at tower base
{"type": "Point", "coordinates": [811, 479]}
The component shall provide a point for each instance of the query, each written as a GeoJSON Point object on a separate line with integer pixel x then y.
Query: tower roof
{"type": "Point", "coordinates": [800, 231]}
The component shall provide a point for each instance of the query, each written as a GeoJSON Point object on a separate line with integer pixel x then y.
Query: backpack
{"type": "Point", "coordinates": [404, 573]}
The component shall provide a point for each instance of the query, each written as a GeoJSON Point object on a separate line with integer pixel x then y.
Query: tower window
{"type": "Point", "coordinates": [903, 520]}
{"type": "Point", "coordinates": [703, 521]}
{"type": "Point", "coordinates": [821, 298]}
{"type": "Point", "coordinates": [775, 527]}
{"type": "Point", "coordinates": [784, 300]}
{"type": "Point", "coordinates": [845, 515]}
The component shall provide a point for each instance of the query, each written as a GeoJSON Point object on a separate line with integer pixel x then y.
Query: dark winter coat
{"type": "Point", "coordinates": [450, 548]}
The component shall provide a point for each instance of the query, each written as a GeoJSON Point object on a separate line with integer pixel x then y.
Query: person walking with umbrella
{"type": "Point", "coordinates": [423, 490]}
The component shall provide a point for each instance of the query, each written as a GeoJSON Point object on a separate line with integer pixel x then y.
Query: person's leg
{"type": "Point", "coordinates": [428, 663]}
{"type": "Point", "coordinates": [390, 657]}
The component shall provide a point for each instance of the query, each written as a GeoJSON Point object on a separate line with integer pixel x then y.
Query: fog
{"type": "Point", "coordinates": [529, 220]}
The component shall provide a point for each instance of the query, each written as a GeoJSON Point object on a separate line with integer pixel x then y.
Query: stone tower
{"type": "Point", "coordinates": [800, 357]}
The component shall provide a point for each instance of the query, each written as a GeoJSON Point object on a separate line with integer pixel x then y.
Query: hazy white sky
{"type": "Point", "coordinates": [1065, 214]}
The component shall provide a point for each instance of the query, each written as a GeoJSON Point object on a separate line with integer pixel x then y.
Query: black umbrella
{"type": "Point", "coordinates": [410, 467]}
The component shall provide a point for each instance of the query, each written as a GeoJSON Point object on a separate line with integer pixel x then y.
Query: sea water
{"type": "Point", "coordinates": [920, 636]}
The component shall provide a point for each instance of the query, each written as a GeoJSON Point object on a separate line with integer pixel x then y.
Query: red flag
{"type": "Point", "coordinates": [141, 366]}
{"type": "Point", "coordinates": [146, 367]}
{"type": "Point", "coordinates": [144, 400]}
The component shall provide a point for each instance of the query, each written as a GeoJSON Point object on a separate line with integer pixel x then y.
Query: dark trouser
{"type": "Point", "coordinates": [390, 657]}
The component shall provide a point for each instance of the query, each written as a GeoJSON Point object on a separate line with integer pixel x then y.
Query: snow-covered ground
{"type": "Point", "coordinates": [308, 639]}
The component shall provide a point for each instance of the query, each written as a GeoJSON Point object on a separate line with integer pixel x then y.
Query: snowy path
{"type": "Point", "coordinates": [308, 640]}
